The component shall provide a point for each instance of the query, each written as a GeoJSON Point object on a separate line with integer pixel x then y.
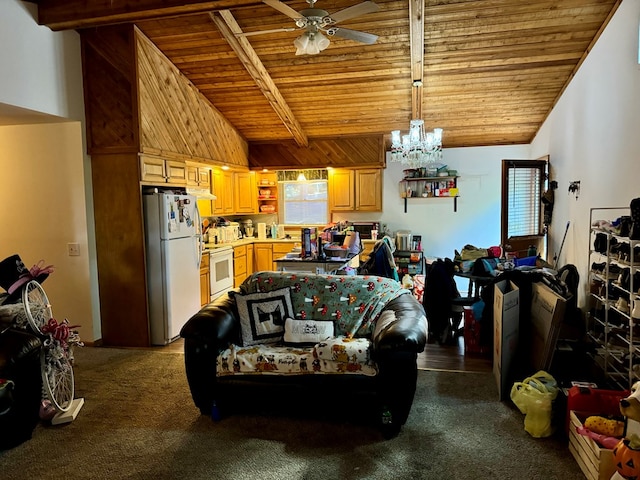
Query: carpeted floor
{"type": "Point", "coordinates": [139, 422]}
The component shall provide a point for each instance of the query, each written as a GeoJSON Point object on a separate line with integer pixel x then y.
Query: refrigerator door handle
{"type": "Point", "coordinates": [198, 236]}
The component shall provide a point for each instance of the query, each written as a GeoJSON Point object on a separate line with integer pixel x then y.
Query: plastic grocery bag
{"type": "Point", "coordinates": [534, 397]}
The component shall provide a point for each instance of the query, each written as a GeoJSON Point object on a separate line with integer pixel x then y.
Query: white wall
{"type": "Point", "coordinates": [477, 221]}
{"type": "Point", "coordinates": [46, 182]}
{"type": "Point", "coordinates": [44, 209]}
{"type": "Point", "coordinates": [592, 135]}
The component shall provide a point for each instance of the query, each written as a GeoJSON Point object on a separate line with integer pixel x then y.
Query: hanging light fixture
{"type": "Point", "coordinates": [418, 148]}
{"type": "Point", "coordinates": [310, 43]}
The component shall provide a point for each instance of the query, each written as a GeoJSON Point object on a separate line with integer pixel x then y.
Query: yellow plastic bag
{"type": "Point", "coordinates": [534, 397]}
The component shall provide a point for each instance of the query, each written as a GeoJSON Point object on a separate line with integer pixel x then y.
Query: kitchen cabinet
{"type": "Point", "coordinates": [250, 259]}
{"type": "Point", "coordinates": [198, 176]}
{"type": "Point", "coordinates": [280, 249]}
{"type": "Point", "coordinates": [156, 170]}
{"type": "Point", "coordinates": [263, 255]}
{"type": "Point", "coordinates": [239, 265]}
{"type": "Point", "coordinates": [368, 190]}
{"type": "Point", "coordinates": [267, 192]}
{"type": "Point", "coordinates": [204, 279]}
{"type": "Point", "coordinates": [223, 189]}
{"type": "Point", "coordinates": [244, 192]}
{"type": "Point", "coordinates": [266, 252]}
{"type": "Point", "coordinates": [355, 190]}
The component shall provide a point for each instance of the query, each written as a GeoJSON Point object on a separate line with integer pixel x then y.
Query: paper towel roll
{"type": "Point", "coordinates": [262, 231]}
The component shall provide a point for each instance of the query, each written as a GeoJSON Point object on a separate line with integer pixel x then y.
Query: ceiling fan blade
{"type": "Point", "coordinates": [354, 11]}
{"type": "Point", "coordinates": [283, 8]}
{"type": "Point", "coordinates": [362, 37]}
{"type": "Point", "coordinates": [262, 32]}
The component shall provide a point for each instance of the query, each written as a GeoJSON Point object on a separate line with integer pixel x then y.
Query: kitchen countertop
{"type": "Point", "coordinates": [247, 241]}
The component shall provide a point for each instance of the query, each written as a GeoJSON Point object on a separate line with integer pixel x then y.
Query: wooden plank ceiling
{"type": "Point", "coordinates": [491, 72]}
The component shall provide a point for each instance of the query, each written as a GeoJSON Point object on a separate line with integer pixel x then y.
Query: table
{"type": "Point", "coordinates": [314, 265]}
{"type": "Point", "coordinates": [476, 282]}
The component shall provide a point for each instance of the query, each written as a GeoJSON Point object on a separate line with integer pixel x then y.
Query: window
{"type": "Point", "coordinates": [522, 188]}
{"type": "Point", "coordinates": [303, 201]}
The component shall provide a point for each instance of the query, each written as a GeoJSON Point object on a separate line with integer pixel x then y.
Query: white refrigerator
{"type": "Point", "coordinates": [174, 252]}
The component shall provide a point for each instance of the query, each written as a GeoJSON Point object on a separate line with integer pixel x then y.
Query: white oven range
{"type": "Point", "coordinates": [221, 270]}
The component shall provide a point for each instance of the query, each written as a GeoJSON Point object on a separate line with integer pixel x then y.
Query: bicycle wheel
{"type": "Point", "coordinates": [57, 376]}
{"type": "Point", "coordinates": [36, 306]}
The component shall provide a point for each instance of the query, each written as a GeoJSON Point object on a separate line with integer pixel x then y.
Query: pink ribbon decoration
{"type": "Point", "coordinates": [33, 273]}
{"type": "Point", "coordinates": [59, 331]}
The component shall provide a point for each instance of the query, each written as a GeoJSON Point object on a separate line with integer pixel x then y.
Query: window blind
{"type": "Point", "coordinates": [523, 201]}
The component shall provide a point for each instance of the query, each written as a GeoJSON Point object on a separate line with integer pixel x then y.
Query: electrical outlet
{"type": "Point", "coordinates": [73, 249]}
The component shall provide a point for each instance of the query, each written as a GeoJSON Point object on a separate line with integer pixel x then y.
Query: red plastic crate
{"type": "Point", "coordinates": [594, 400]}
{"type": "Point", "coordinates": [472, 342]}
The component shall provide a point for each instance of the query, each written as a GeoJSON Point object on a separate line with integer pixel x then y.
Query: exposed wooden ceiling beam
{"type": "Point", "coordinates": [232, 32]}
{"type": "Point", "coordinates": [416, 35]}
{"type": "Point", "coordinates": [74, 14]}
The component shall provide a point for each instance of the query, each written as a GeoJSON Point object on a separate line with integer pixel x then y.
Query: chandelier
{"type": "Point", "coordinates": [418, 148]}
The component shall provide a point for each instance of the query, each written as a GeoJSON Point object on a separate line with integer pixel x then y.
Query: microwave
{"type": "Point", "coordinates": [364, 229]}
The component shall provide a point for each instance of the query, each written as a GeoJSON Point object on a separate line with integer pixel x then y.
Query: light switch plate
{"type": "Point", "coordinates": [73, 249]}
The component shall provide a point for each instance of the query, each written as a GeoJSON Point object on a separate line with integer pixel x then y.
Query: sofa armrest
{"type": "Point", "coordinates": [402, 326]}
{"type": "Point", "coordinates": [216, 322]}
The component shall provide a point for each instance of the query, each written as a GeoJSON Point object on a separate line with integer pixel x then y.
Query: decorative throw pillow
{"type": "Point", "coordinates": [307, 332]}
{"type": "Point", "coordinates": [262, 316]}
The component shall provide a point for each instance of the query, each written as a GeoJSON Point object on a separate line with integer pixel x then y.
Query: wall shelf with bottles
{"type": "Point", "coordinates": [429, 188]}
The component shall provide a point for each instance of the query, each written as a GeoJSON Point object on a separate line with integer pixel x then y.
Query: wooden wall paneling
{"type": "Point", "coordinates": [120, 249]}
{"type": "Point", "coordinates": [340, 152]}
{"type": "Point", "coordinates": [176, 118]}
{"type": "Point", "coordinates": [110, 92]}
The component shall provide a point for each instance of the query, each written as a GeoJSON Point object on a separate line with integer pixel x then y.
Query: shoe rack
{"type": "Point", "coordinates": [613, 286]}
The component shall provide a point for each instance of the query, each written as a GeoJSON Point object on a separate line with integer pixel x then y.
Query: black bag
{"type": "Point", "coordinates": [634, 234]}
{"type": "Point", "coordinates": [600, 243]}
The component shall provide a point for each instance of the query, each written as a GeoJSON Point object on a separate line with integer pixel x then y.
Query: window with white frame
{"type": "Point", "coordinates": [522, 188]}
{"type": "Point", "coordinates": [303, 197]}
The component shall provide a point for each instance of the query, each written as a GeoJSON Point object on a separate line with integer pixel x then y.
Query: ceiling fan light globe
{"type": "Point", "coordinates": [321, 41]}
{"type": "Point", "coordinates": [310, 43]}
{"type": "Point", "coordinates": [301, 44]}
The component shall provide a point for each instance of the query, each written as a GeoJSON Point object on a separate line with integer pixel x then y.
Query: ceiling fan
{"type": "Point", "coordinates": [314, 21]}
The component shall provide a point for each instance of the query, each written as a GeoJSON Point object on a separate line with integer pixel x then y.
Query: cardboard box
{"type": "Point", "coordinates": [506, 329]}
{"type": "Point", "coordinates": [547, 314]}
{"type": "Point", "coordinates": [595, 462]}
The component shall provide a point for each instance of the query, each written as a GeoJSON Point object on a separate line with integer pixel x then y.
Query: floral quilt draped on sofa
{"type": "Point", "coordinates": [352, 303]}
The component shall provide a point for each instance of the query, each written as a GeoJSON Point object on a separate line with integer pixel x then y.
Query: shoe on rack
{"type": "Point", "coordinates": [614, 271]}
{"type": "Point", "coordinates": [624, 278]}
{"type": "Point", "coordinates": [598, 267]}
{"type": "Point", "coordinates": [622, 305]}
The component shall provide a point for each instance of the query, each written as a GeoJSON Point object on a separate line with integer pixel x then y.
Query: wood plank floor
{"type": "Point", "coordinates": [435, 357]}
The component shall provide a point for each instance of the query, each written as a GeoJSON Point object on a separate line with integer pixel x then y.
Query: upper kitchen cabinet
{"type": "Point", "coordinates": [244, 192]}
{"type": "Point", "coordinates": [267, 192]}
{"type": "Point", "coordinates": [355, 190]}
{"type": "Point", "coordinates": [341, 190]}
{"type": "Point", "coordinates": [223, 190]}
{"type": "Point", "coordinates": [154, 170]}
{"type": "Point", "coordinates": [199, 176]}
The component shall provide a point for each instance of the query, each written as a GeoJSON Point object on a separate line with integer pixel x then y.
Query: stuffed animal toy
{"type": "Point", "coordinates": [626, 455]}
